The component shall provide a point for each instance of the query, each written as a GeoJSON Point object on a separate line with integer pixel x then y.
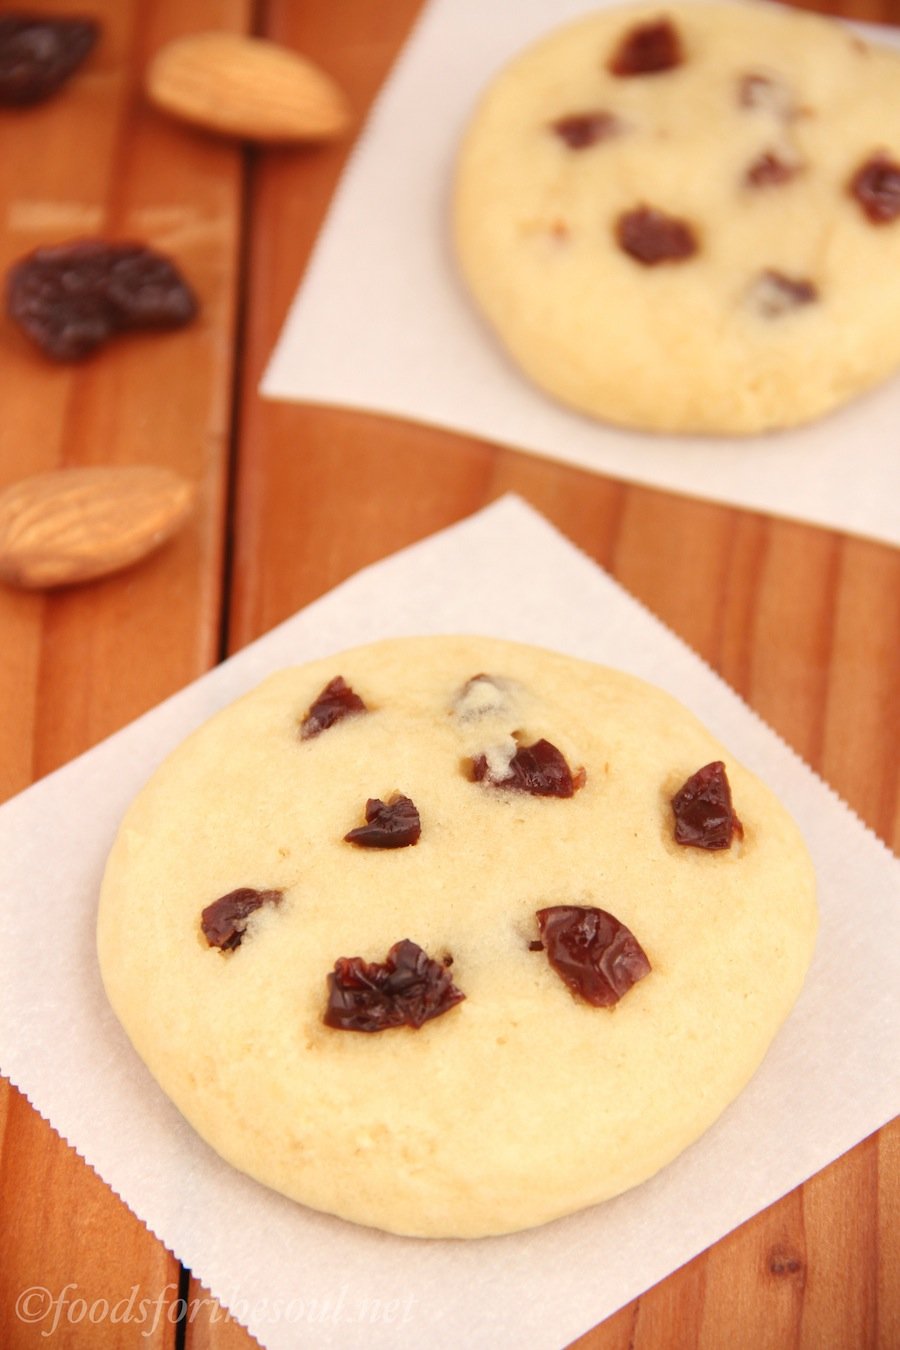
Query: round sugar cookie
{"type": "Point", "coordinates": [686, 218]}
{"type": "Point", "coordinates": [511, 992]}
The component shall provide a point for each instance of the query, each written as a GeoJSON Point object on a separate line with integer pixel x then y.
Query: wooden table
{"type": "Point", "coordinates": [803, 622]}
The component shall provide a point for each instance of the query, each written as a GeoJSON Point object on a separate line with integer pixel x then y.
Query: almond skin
{"type": "Point", "coordinates": [75, 524]}
{"type": "Point", "coordinates": [246, 87]}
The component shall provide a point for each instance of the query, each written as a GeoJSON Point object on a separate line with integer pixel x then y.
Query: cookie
{"type": "Point", "coordinates": [416, 935]}
{"type": "Point", "coordinates": [687, 218]}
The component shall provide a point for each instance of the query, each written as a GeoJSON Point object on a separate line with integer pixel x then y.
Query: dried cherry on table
{"type": "Point", "coordinates": [71, 298]}
{"type": "Point", "coordinates": [38, 53]}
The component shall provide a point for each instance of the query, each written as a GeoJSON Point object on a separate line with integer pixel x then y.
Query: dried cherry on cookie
{"type": "Point", "coordinates": [391, 824]}
{"type": "Point", "coordinates": [408, 989]}
{"type": "Point", "coordinates": [647, 49]}
{"type": "Point", "coordinates": [581, 130]}
{"type": "Point", "coordinates": [770, 169]}
{"type": "Point", "coordinates": [704, 815]}
{"type": "Point", "coordinates": [772, 293]}
{"type": "Point", "coordinates": [650, 236]}
{"type": "Point", "coordinates": [592, 952]}
{"type": "Point", "coordinates": [766, 94]}
{"type": "Point", "coordinates": [481, 695]}
{"type": "Point", "coordinates": [539, 769]}
{"type": "Point", "coordinates": [224, 921]}
{"type": "Point", "coordinates": [337, 700]}
{"type": "Point", "coordinates": [876, 186]}
{"type": "Point", "coordinates": [38, 53]}
{"type": "Point", "coordinates": [72, 298]}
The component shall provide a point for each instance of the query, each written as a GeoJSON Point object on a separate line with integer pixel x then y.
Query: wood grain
{"type": "Point", "coordinates": [78, 664]}
{"type": "Point", "coordinates": [804, 623]}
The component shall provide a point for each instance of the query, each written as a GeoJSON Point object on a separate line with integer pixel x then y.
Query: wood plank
{"type": "Point", "coordinates": [79, 664]}
{"type": "Point", "coordinates": [69, 1248]}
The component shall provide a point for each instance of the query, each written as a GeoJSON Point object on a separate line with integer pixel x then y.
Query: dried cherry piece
{"type": "Point", "coordinates": [73, 297]}
{"type": "Point", "coordinates": [336, 700]}
{"type": "Point", "coordinates": [647, 49]}
{"type": "Point", "coordinates": [704, 815]}
{"type": "Point", "coordinates": [767, 94]}
{"type": "Point", "coordinates": [540, 769]}
{"type": "Point", "coordinates": [581, 130]}
{"type": "Point", "coordinates": [650, 236]}
{"type": "Point", "coordinates": [406, 990]}
{"type": "Point", "coordinates": [773, 294]}
{"type": "Point", "coordinates": [876, 186]}
{"type": "Point", "coordinates": [38, 53]}
{"type": "Point", "coordinates": [769, 169]}
{"type": "Point", "coordinates": [592, 952]}
{"type": "Point", "coordinates": [391, 824]}
{"type": "Point", "coordinates": [481, 696]}
{"type": "Point", "coordinates": [224, 921]}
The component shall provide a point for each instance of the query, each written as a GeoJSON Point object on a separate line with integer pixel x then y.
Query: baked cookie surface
{"type": "Point", "coordinates": [686, 217]}
{"type": "Point", "coordinates": [530, 1057]}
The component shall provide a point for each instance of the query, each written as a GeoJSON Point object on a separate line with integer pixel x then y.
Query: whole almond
{"type": "Point", "coordinates": [247, 87]}
{"type": "Point", "coordinates": [74, 524]}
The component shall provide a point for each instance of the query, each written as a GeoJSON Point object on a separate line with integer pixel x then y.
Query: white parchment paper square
{"type": "Point", "coordinates": [381, 321]}
{"type": "Point", "coordinates": [297, 1278]}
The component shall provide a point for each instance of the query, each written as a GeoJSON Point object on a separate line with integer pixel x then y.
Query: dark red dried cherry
{"type": "Point", "coordinates": [225, 920]}
{"type": "Point", "coordinates": [336, 700]}
{"type": "Point", "coordinates": [876, 186]}
{"type": "Point", "coordinates": [38, 53]}
{"type": "Point", "coordinates": [650, 236]}
{"type": "Point", "coordinates": [704, 815]}
{"type": "Point", "coordinates": [581, 130]}
{"type": "Point", "coordinates": [391, 824]}
{"type": "Point", "coordinates": [647, 49]}
{"type": "Point", "coordinates": [73, 297]}
{"type": "Point", "coordinates": [592, 952]}
{"type": "Point", "coordinates": [406, 990]}
{"type": "Point", "coordinates": [540, 769]}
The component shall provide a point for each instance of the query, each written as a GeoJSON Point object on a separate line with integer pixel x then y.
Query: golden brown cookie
{"type": "Point", "coordinates": [415, 935]}
{"type": "Point", "coordinates": [687, 217]}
